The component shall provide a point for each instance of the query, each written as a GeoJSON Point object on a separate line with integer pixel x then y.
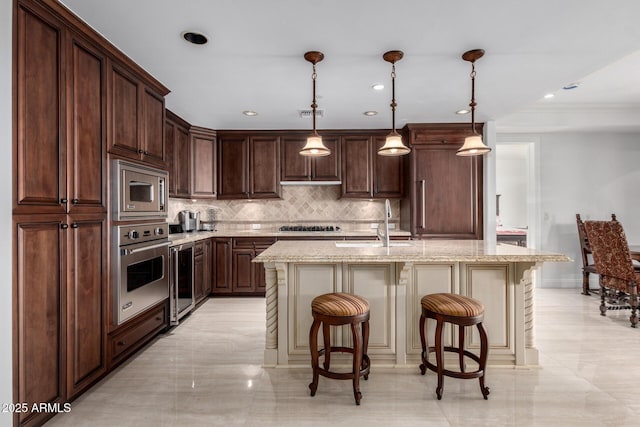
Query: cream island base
{"type": "Point", "coordinates": [394, 280]}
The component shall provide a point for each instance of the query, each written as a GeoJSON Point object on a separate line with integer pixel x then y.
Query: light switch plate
{"type": "Point", "coordinates": [256, 226]}
{"type": "Point", "coordinates": [373, 225]}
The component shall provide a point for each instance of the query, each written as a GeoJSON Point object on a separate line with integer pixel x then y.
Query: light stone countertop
{"type": "Point", "coordinates": [181, 238]}
{"type": "Point", "coordinates": [412, 251]}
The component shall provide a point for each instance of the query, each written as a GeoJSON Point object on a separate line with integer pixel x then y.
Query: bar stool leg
{"type": "Point", "coordinates": [439, 357]}
{"type": "Point", "coordinates": [313, 344]}
{"type": "Point", "coordinates": [365, 345]}
{"type": "Point", "coordinates": [357, 360]}
{"type": "Point", "coordinates": [326, 335]}
{"type": "Point", "coordinates": [461, 347]}
{"type": "Point", "coordinates": [484, 351]}
{"type": "Point", "coordinates": [423, 341]}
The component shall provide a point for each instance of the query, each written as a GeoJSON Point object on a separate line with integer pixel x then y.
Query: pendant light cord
{"type": "Point", "coordinates": [393, 97]}
{"type": "Point", "coordinates": [473, 104]}
{"type": "Point", "coordinates": [314, 104]}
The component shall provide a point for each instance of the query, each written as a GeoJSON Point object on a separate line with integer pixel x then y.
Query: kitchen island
{"type": "Point", "coordinates": [393, 280]}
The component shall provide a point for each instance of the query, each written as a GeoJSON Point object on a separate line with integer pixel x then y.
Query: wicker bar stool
{"type": "Point", "coordinates": [336, 309]}
{"type": "Point", "coordinates": [458, 310]}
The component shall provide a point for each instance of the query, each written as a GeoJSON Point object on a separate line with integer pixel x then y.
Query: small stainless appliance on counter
{"type": "Point", "coordinates": [181, 284]}
{"type": "Point", "coordinates": [140, 268]}
{"type": "Point", "coordinates": [190, 220]}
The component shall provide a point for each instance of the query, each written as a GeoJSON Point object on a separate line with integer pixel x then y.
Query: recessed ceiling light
{"type": "Point", "coordinates": [463, 111]}
{"type": "Point", "coordinates": [195, 38]}
{"type": "Point", "coordinates": [571, 86]}
{"type": "Point", "coordinates": [549, 96]}
{"type": "Point", "coordinates": [377, 86]}
{"type": "Point", "coordinates": [249, 113]}
{"type": "Point", "coordinates": [370, 113]}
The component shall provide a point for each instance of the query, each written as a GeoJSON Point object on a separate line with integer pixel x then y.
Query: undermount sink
{"type": "Point", "coordinates": [356, 244]}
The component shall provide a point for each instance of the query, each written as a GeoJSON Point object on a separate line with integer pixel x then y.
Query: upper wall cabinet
{"type": "Point", "coordinates": [248, 165]}
{"type": "Point", "coordinates": [176, 136]}
{"type": "Point", "coordinates": [202, 146]}
{"type": "Point", "coordinates": [446, 189]}
{"type": "Point", "coordinates": [303, 168]}
{"type": "Point", "coordinates": [60, 118]}
{"type": "Point", "coordinates": [137, 118]}
{"type": "Point", "coordinates": [367, 175]}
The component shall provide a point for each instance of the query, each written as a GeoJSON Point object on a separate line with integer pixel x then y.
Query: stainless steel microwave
{"type": "Point", "coordinates": [138, 192]}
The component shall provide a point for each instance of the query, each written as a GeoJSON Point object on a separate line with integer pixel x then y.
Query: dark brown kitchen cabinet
{"type": "Point", "coordinates": [221, 263]}
{"type": "Point", "coordinates": [248, 277]}
{"type": "Point", "coordinates": [367, 175]}
{"type": "Point", "coordinates": [59, 120]}
{"type": "Point", "coordinates": [61, 279]}
{"type": "Point", "coordinates": [446, 190]}
{"type": "Point", "coordinates": [248, 166]}
{"type": "Point", "coordinates": [201, 269]}
{"type": "Point", "coordinates": [137, 117]}
{"type": "Point", "coordinates": [177, 143]}
{"type": "Point", "coordinates": [304, 168]}
{"type": "Point", "coordinates": [203, 162]}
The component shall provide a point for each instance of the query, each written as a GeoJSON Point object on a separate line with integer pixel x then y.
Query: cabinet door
{"type": "Point", "coordinates": [388, 173]}
{"type": "Point", "coordinates": [356, 167]}
{"type": "Point", "coordinates": [125, 119]}
{"type": "Point", "coordinates": [207, 275]}
{"type": "Point", "coordinates": [39, 277]}
{"type": "Point", "coordinates": [172, 163]}
{"type": "Point", "coordinates": [447, 193]}
{"type": "Point", "coordinates": [87, 132]}
{"type": "Point", "coordinates": [327, 168]}
{"type": "Point", "coordinates": [232, 167]}
{"type": "Point", "coordinates": [294, 166]}
{"type": "Point", "coordinates": [153, 146]}
{"type": "Point", "coordinates": [264, 167]}
{"type": "Point", "coordinates": [181, 159]}
{"type": "Point", "coordinates": [203, 165]}
{"type": "Point", "coordinates": [198, 272]}
{"type": "Point", "coordinates": [86, 302]}
{"type": "Point", "coordinates": [39, 114]}
{"type": "Point", "coordinates": [221, 258]}
{"type": "Point", "coordinates": [243, 275]}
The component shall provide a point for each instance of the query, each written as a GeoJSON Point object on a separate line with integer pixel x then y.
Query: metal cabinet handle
{"type": "Point", "coordinates": [121, 343]}
{"type": "Point", "coordinates": [75, 201]}
{"type": "Point", "coordinates": [146, 152]}
{"type": "Point", "coordinates": [64, 200]}
{"type": "Point", "coordinates": [64, 226]}
{"type": "Point", "coordinates": [423, 190]}
{"type": "Point", "coordinates": [74, 225]}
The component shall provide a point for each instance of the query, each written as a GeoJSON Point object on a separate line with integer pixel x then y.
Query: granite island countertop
{"type": "Point", "coordinates": [409, 251]}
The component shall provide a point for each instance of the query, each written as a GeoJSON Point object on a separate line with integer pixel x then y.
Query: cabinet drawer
{"type": "Point", "coordinates": [198, 247]}
{"type": "Point", "coordinates": [136, 334]}
{"type": "Point", "coordinates": [253, 242]}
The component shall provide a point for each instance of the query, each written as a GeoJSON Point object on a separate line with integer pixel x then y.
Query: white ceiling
{"type": "Point", "coordinates": [254, 60]}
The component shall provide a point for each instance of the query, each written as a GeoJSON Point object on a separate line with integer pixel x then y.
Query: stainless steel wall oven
{"type": "Point", "coordinates": [140, 268]}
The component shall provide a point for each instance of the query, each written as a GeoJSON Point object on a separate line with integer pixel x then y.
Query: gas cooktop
{"type": "Point", "coordinates": [309, 228]}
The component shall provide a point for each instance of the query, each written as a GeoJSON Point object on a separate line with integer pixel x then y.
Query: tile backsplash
{"type": "Point", "coordinates": [299, 204]}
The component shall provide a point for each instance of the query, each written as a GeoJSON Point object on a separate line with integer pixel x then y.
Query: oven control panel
{"type": "Point", "coordinates": [139, 233]}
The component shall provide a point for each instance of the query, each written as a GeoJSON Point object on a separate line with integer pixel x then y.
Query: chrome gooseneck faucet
{"type": "Point", "coordinates": [383, 235]}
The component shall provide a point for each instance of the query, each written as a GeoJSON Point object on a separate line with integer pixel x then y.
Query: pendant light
{"type": "Point", "coordinates": [314, 146]}
{"type": "Point", "coordinates": [393, 145]}
{"type": "Point", "coordinates": [473, 145]}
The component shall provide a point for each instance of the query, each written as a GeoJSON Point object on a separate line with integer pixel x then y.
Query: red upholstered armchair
{"type": "Point", "coordinates": [618, 277]}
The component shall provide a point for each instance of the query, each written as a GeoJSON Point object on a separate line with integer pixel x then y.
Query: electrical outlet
{"type": "Point", "coordinates": [256, 226]}
{"type": "Point", "coordinates": [373, 225]}
{"type": "Point", "coordinates": [392, 226]}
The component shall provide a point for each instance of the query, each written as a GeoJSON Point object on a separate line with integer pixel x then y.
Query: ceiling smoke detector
{"type": "Point", "coordinates": [307, 114]}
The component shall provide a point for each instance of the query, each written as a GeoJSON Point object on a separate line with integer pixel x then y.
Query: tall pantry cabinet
{"type": "Point", "coordinates": [60, 233]}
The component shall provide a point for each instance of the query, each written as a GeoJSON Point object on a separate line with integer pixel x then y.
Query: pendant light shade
{"type": "Point", "coordinates": [473, 145]}
{"type": "Point", "coordinates": [393, 145]}
{"type": "Point", "coordinates": [314, 146]}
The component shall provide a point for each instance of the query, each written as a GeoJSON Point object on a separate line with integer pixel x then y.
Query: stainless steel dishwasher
{"type": "Point", "coordinates": [181, 284]}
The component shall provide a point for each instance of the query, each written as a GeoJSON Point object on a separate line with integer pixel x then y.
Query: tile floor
{"type": "Point", "coordinates": [207, 372]}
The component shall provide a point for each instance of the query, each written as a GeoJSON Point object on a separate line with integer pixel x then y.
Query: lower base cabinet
{"type": "Point", "coordinates": [201, 270]}
{"type": "Point", "coordinates": [125, 340]}
{"type": "Point", "coordinates": [234, 273]}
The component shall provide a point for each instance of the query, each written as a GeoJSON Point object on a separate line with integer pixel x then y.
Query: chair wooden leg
{"type": "Point", "coordinates": [357, 361]}
{"type": "Point", "coordinates": [585, 283]}
{"type": "Point", "coordinates": [461, 347]}
{"type": "Point", "coordinates": [423, 341]}
{"type": "Point", "coordinates": [326, 335]}
{"type": "Point", "coordinates": [603, 307]}
{"type": "Point", "coordinates": [634, 308]}
{"type": "Point", "coordinates": [313, 344]}
{"type": "Point", "coordinates": [439, 357]}
{"type": "Point", "coordinates": [484, 351]}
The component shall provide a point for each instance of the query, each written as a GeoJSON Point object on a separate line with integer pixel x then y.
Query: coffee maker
{"type": "Point", "coordinates": [189, 220]}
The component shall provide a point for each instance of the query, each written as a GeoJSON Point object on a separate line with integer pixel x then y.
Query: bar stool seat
{"type": "Point", "coordinates": [457, 310]}
{"type": "Point", "coordinates": [335, 309]}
